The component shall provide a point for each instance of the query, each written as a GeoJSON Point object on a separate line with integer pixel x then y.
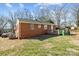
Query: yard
{"type": "Point", "coordinates": [45, 45]}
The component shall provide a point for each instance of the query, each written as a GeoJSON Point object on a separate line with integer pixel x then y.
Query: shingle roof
{"type": "Point", "coordinates": [33, 22]}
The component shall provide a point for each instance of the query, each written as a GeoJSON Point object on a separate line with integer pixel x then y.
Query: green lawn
{"type": "Point", "coordinates": [55, 46]}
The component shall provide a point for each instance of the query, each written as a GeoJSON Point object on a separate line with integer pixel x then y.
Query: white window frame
{"type": "Point", "coordinates": [39, 25]}
{"type": "Point", "coordinates": [52, 28]}
{"type": "Point", "coordinates": [32, 26]}
{"type": "Point", "coordinates": [45, 27]}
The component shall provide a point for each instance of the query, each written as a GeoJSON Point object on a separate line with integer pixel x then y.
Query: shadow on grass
{"type": "Point", "coordinates": [46, 36]}
{"type": "Point", "coordinates": [43, 37]}
{"type": "Point", "coordinates": [39, 37]}
{"type": "Point", "coordinates": [73, 34]}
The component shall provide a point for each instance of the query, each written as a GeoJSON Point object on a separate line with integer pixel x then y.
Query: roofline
{"type": "Point", "coordinates": [35, 22]}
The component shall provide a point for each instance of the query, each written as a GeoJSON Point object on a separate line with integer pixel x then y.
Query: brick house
{"type": "Point", "coordinates": [26, 29]}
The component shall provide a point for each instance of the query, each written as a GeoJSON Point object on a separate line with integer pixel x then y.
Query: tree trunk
{"type": "Point", "coordinates": [77, 20]}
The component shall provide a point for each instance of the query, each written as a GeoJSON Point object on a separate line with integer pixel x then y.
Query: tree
{"type": "Point", "coordinates": [57, 13]}
{"type": "Point", "coordinates": [12, 20]}
{"type": "Point", "coordinates": [24, 14]}
{"type": "Point", "coordinates": [3, 22]}
{"type": "Point", "coordinates": [64, 14]}
{"type": "Point", "coordinates": [76, 14]}
{"type": "Point", "coordinates": [43, 14]}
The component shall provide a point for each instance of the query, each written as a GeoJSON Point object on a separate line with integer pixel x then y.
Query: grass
{"type": "Point", "coordinates": [53, 46]}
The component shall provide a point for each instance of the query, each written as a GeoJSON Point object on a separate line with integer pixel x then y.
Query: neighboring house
{"type": "Point", "coordinates": [27, 29]}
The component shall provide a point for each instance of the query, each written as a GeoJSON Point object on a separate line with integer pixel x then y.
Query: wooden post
{"type": "Point", "coordinates": [18, 29]}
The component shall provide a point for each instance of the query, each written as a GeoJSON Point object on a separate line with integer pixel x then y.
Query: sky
{"type": "Point", "coordinates": [5, 7]}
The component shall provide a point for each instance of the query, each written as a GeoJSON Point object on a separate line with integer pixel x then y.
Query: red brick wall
{"type": "Point", "coordinates": [26, 31]}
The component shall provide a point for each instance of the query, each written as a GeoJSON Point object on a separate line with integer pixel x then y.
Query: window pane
{"type": "Point", "coordinates": [32, 26]}
{"type": "Point", "coordinates": [52, 28]}
{"type": "Point", "coordinates": [39, 26]}
{"type": "Point", "coordinates": [45, 27]}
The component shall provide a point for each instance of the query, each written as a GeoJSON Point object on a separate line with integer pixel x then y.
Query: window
{"type": "Point", "coordinates": [39, 26]}
{"type": "Point", "coordinates": [32, 26]}
{"type": "Point", "coordinates": [51, 27]}
{"type": "Point", "coordinates": [45, 27]}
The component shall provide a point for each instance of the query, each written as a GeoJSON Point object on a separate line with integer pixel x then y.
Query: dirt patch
{"type": "Point", "coordinates": [5, 43]}
{"type": "Point", "coordinates": [47, 45]}
{"type": "Point", "coordinates": [72, 50]}
{"type": "Point", "coordinates": [75, 42]}
{"type": "Point", "coordinates": [75, 39]}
